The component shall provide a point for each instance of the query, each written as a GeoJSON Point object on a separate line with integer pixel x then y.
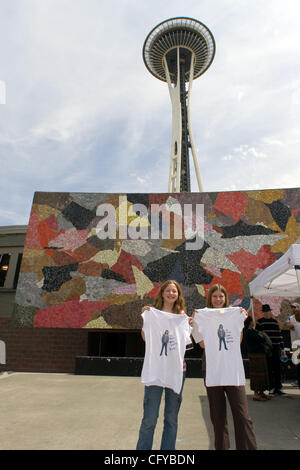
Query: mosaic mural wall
{"type": "Point", "coordinates": [93, 260]}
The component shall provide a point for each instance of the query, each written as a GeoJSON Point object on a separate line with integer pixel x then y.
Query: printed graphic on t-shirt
{"type": "Point", "coordinates": [225, 338]}
{"type": "Point", "coordinates": [222, 337]}
{"type": "Point", "coordinates": [168, 343]}
{"type": "Point", "coordinates": [166, 336]}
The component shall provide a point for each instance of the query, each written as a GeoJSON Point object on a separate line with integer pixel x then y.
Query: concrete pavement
{"type": "Point", "coordinates": [74, 412]}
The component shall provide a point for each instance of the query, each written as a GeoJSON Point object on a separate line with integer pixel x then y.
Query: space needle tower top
{"type": "Point", "coordinates": [177, 51]}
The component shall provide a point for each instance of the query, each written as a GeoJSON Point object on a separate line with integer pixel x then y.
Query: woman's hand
{"type": "Point", "coordinates": [146, 307]}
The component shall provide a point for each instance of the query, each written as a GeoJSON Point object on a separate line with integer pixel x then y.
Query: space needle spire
{"type": "Point", "coordinates": [177, 51]}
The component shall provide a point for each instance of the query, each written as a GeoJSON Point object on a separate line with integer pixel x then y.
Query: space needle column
{"type": "Point", "coordinates": [177, 51]}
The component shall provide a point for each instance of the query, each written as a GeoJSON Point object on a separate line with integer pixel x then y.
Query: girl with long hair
{"type": "Point", "coordinates": [169, 299]}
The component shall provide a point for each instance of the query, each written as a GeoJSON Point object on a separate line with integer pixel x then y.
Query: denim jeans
{"type": "Point", "coordinates": [152, 400]}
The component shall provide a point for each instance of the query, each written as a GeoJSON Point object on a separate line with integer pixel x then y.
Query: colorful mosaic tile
{"type": "Point", "coordinates": [93, 260]}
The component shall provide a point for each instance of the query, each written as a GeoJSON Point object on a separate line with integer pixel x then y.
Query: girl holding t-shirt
{"type": "Point", "coordinates": [244, 433]}
{"type": "Point", "coordinates": [169, 299]}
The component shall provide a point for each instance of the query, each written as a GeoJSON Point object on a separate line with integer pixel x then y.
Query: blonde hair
{"type": "Point", "coordinates": [213, 289]}
{"type": "Point", "coordinates": [179, 304]}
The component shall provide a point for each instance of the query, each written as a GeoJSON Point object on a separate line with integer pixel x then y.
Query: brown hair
{"type": "Point", "coordinates": [213, 289]}
{"type": "Point", "coordinates": [178, 306]}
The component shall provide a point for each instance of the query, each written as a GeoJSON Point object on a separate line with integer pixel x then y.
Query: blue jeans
{"type": "Point", "coordinates": [152, 399]}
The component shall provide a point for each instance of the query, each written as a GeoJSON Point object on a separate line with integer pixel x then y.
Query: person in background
{"type": "Point", "coordinates": [294, 324]}
{"type": "Point", "coordinates": [270, 326]}
{"type": "Point", "coordinates": [258, 367]}
{"type": "Point", "coordinates": [282, 318]}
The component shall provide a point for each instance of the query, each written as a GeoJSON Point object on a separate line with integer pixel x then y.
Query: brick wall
{"type": "Point", "coordinates": [42, 349]}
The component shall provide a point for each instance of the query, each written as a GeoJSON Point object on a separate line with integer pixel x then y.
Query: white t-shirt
{"type": "Point", "coordinates": [166, 337]}
{"type": "Point", "coordinates": [221, 331]}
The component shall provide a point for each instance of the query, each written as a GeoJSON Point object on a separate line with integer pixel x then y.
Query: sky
{"type": "Point", "coordinates": [79, 111]}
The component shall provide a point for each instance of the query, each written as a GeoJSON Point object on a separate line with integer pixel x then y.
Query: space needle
{"type": "Point", "coordinates": [177, 51]}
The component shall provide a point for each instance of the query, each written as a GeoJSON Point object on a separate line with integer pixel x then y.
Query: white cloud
{"type": "Point", "coordinates": [82, 113]}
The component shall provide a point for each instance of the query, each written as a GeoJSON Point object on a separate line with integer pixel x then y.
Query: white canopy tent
{"type": "Point", "coordinates": [281, 278]}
